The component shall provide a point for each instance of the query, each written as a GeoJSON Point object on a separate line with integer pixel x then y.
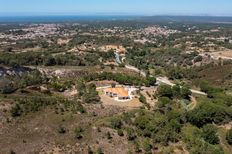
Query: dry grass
{"type": "Point", "coordinates": [216, 75]}
{"type": "Point", "coordinates": [38, 132]}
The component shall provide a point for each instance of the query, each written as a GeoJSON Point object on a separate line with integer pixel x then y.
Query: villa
{"type": "Point", "coordinates": [119, 93]}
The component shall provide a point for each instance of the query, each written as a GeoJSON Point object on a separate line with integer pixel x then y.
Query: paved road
{"type": "Point", "coordinates": [136, 70]}
{"type": "Point", "coordinates": [163, 80]}
{"type": "Point", "coordinates": [117, 58]}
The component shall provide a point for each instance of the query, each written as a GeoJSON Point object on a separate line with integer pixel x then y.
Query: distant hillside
{"type": "Point", "coordinates": [191, 19]}
{"type": "Point", "coordinates": [150, 19]}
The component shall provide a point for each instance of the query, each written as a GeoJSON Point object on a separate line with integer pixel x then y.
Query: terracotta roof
{"type": "Point", "coordinates": [120, 91]}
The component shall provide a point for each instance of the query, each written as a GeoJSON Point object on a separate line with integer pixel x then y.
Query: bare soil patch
{"type": "Point", "coordinates": [227, 54]}
{"type": "Point", "coordinates": [148, 92]}
{"type": "Point", "coordinates": [118, 48]}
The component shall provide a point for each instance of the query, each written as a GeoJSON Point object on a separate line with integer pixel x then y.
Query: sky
{"type": "Point", "coordinates": [116, 7]}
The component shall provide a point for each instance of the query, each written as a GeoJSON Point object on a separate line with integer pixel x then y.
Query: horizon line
{"type": "Point", "coordinates": [132, 15]}
{"type": "Point", "coordinates": [31, 14]}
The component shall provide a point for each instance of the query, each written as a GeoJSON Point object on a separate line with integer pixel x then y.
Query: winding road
{"type": "Point", "coordinates": [163, 80]}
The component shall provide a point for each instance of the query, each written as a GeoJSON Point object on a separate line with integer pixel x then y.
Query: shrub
{"type": "Point", "coordinates": [6, 86]}
{"type": "Point", "coordinates": [229, 136]}
{"type": "Point", "coordinates": [151, 81]}
{"type": "Point", "coordinates": [120, 132]}
{"type": "Point", "coordinates": [99, 151]}
{"type": "Point", "coordinates": [90, 151]}
{"type": "Point", "coordinates": [165, 91]}
{"type": "Point", "coordinates": [16, 111]}
{"type": "Point", "coordinates": [147, 146]}
{"type": "Point", "coordinates": [108, 136]}
{"type": "Point", "coordinates": [61, 130]}
{"type": "Point", "coordinates": [209, 134]}
{"type": "Point", "coordinates": [130, 134]}
{"type": "Point", "coordinates": [164, 102]}
{"type": "Point", "coordinates": [116, 123]}
{"type": "Point", "coordinates": [91, 95]}
{"type": "Point", "coordinates": [78, 133]}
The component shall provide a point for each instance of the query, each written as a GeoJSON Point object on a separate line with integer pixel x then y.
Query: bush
{"type": "Point", "coordinates": [164, 102]}
{"type": "Point", "coordinates": [165, 91]}
{"type": "Point", "coordinates": [61, 130]}
{"type": "Point", "coordinates": [142, 99]}
{"type": "Point", "coordinates": [229, 136]}
{"type": "Point", "coordinates": [151, 81]}
{"type": "Point", "coordinates": [99, 151]}
{"type": "Point", "coordinates": [6, 86]}
{"type": "Point", "coordinates": [130, 134]}
{"type": "Point", "coordinates": [120, 132]}
{"type": "Point", "coordinates": [91, 95]}
{"type": "Point", "coordinates": [108, 136]}
{"type": "Point", "coordinates": [116, 123]}
{"type": "Point", "coordinates": [78, 133]}
{"type": "Point", "coordinates": [147, 146]}
{"type": "Point", "coordinates": [16, 111]}
{"type": "Point", "coordinates": [90, 151]}
{"type": "Point", "coordinates": [209, 134]}
{"type": "Point", "coordinates": [185, 92]}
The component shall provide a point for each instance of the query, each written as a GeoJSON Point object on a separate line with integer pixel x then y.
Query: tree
{"type": "Point", "coordinates": [209, 134]}
{"type": "Point", "coordinates": [176, 90]}
{"type": "Point", "coordinates": [151, 81]}
{"type": "Point", "coordinates": [164, 102]}
{"type": "Point", "coordinates": [165, 91]}
{"type": "Point", "coordinates": [175, 73]}
{"type": "Point", "coordinates": [50, 61]}
{"type": "Point", "coordinates": [229, 136]}
{"type": "Point", "coordinates": [185, 92]}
